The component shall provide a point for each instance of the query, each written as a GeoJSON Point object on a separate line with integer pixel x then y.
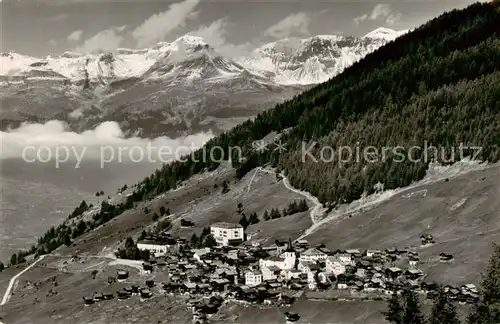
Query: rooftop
{"type": "Point", "coordinates": [226, 225]}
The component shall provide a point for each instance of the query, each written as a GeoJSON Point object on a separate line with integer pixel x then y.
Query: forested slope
{"type": "Point", "coordinates": [439, 84]}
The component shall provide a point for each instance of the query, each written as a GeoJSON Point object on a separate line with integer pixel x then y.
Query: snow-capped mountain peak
{"type": "Point", "coordinates": [315, 59]}
{"type": "Point", "coordinates": [385, 34]}
{"type": "Point", "coordinates": [287, 61]}
{"type": "Point", "coordinates": [191, 42]}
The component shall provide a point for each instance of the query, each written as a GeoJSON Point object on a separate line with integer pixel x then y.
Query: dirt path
{"type": "Point", "coordinates": [317, 209]}
{"type": "Point", "coordinates": [12, 281]}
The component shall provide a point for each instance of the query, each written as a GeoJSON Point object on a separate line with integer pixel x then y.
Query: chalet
{"type": "Point", "coordinates": [443, 257]}
{"type": "Point", "coordinates": [290, 274]}
{"type": "Point", "coordinates": [370, 253]}
{"type": "Point", "coordinates": [395, 251]}
{"type": "Point", "coordinates": [273, 285]}
{"type": "Point", "coordinates": [186, 223]}
{"type": "Point", "coordinates": [333, 265]}
{"type": "Point", "coordinates": [220, 284]}
{"type": "Point", "coordinates": [413, 284]}
{"type": "Point", "coordinates": [200, 254]}
{"type": "Point", "coordinates": [301, 244]}
{"type": "Point", "coordinates": [122, 274]}
{"type": "Point", "coordinates": [469, 288]}
{"type": "Point", "coordinates": [98, 297]}
{"type": "Point", "coordinates": [394, 272]}
{"type": "Point", "coordinates": [307, 267]}
{"type": "Point", "coordinates": [146, 293]}
{"type": "Point", "coordinates": [413, 260]}
{"type": "Point", "coordinates": [152, 246]}
{"type": "Point", "coordinates": [429, 286]}
{"type": "Point", "coordinates": [354, 252]}
{"type": "Point", "coordinates": [344, 258]}
{"type": "Point", "coordinates": [108, 296]}
{"type": "Point", "coordinates": [374, 283]}
{"type": "Point", "coordinates": [122, 294]}
{"type": "Point", "coordinates": [270, 273]}
{"type": "Point", "coordinates": [204, 287]}
{"type": "Point", "coordinates": [296, 286]}
{"type": "Point", "coordinates": [413, 274]}
{"type": "Point", "coordinates": [364, 264]}
{"type": "Point", "coordinates": [88, 300]}
{"type": "Point", "coordinates": [427, 239]}
{"type": "Point", "coordinates": [291, 317]}
{"type": "Point", "coordinates": [189, 287]}
{"type": "Point", "coordinates": [358, 285]}
{"type": "Point", "coordinates": [312, 255]}
{"type": "Point", "coordinates": [287, 300]}
{"type": "Point", "coordinates": [171, 287]}
{"type": "Point", "coordinates": [253, 278]}
{"type": "Point", "coordinates": [324, 250]}
{"type": "Point", "coordinates": [393, 285]}
{"type": "Point", "coordinates": [453, 293]}
{"type": "Point", "coordinates": [360, 273]}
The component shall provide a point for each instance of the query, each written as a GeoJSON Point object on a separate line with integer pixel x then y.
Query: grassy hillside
{"type": "Point", "coordinates": [439, 84]}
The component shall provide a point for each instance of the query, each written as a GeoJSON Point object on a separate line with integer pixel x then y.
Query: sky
{"type": "Point", "coordinates": [42, 27]}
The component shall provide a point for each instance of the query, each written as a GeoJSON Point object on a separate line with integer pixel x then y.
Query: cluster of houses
{"type": "Point", "coordinates": [277, 274]}
{"type": "Point", "coordinates": [125, 293]}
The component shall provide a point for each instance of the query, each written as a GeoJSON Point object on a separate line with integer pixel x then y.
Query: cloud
{"type": "Point", "coordinates": [215, 34]}
{"type": "Point", "coordinates": [156, 27]}
{"type": "Point", "coordinates": [297, 23]}
{"type": "Point", "coordinates": [381, 12]}
{"type": "Point", "coordinates": [53, 42]}
{"type": "Point", "coordinates": [103, 142]}
{"type": "Point", "coordinates": [105, 40]}
{"type": "Point", "coordinates": [75, 36]}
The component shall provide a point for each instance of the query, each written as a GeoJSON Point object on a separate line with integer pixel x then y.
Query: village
{"type": "Point", "coordinates": [230, 268]}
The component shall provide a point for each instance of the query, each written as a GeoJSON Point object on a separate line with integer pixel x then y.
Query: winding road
{"type": "Point", "coordinates": [316, 211]}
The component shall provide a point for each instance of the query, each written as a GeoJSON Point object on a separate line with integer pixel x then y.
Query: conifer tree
{"type": "Point", "coordinates": [244, 221]}
{"type": "Point", "coordinates": [266, 216]}
{"type": "Point", "coordinates": [404, 309]}
{"type": "Point", "coordinates": [394, 315]}
{"type": "Point", "coordinates": [487, 309]}
{"type": "Point", "coordinates": [194, 240]}
{"type": "Point", "coordinates": [253, 219]}
{"type": "Point", "coordinates": [443, 311]}
{"type": "Point", "coordinates": [413, 312]}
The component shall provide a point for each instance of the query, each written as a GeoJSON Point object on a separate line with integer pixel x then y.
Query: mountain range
{"type": "Point", "coordinates": [172, 88]}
